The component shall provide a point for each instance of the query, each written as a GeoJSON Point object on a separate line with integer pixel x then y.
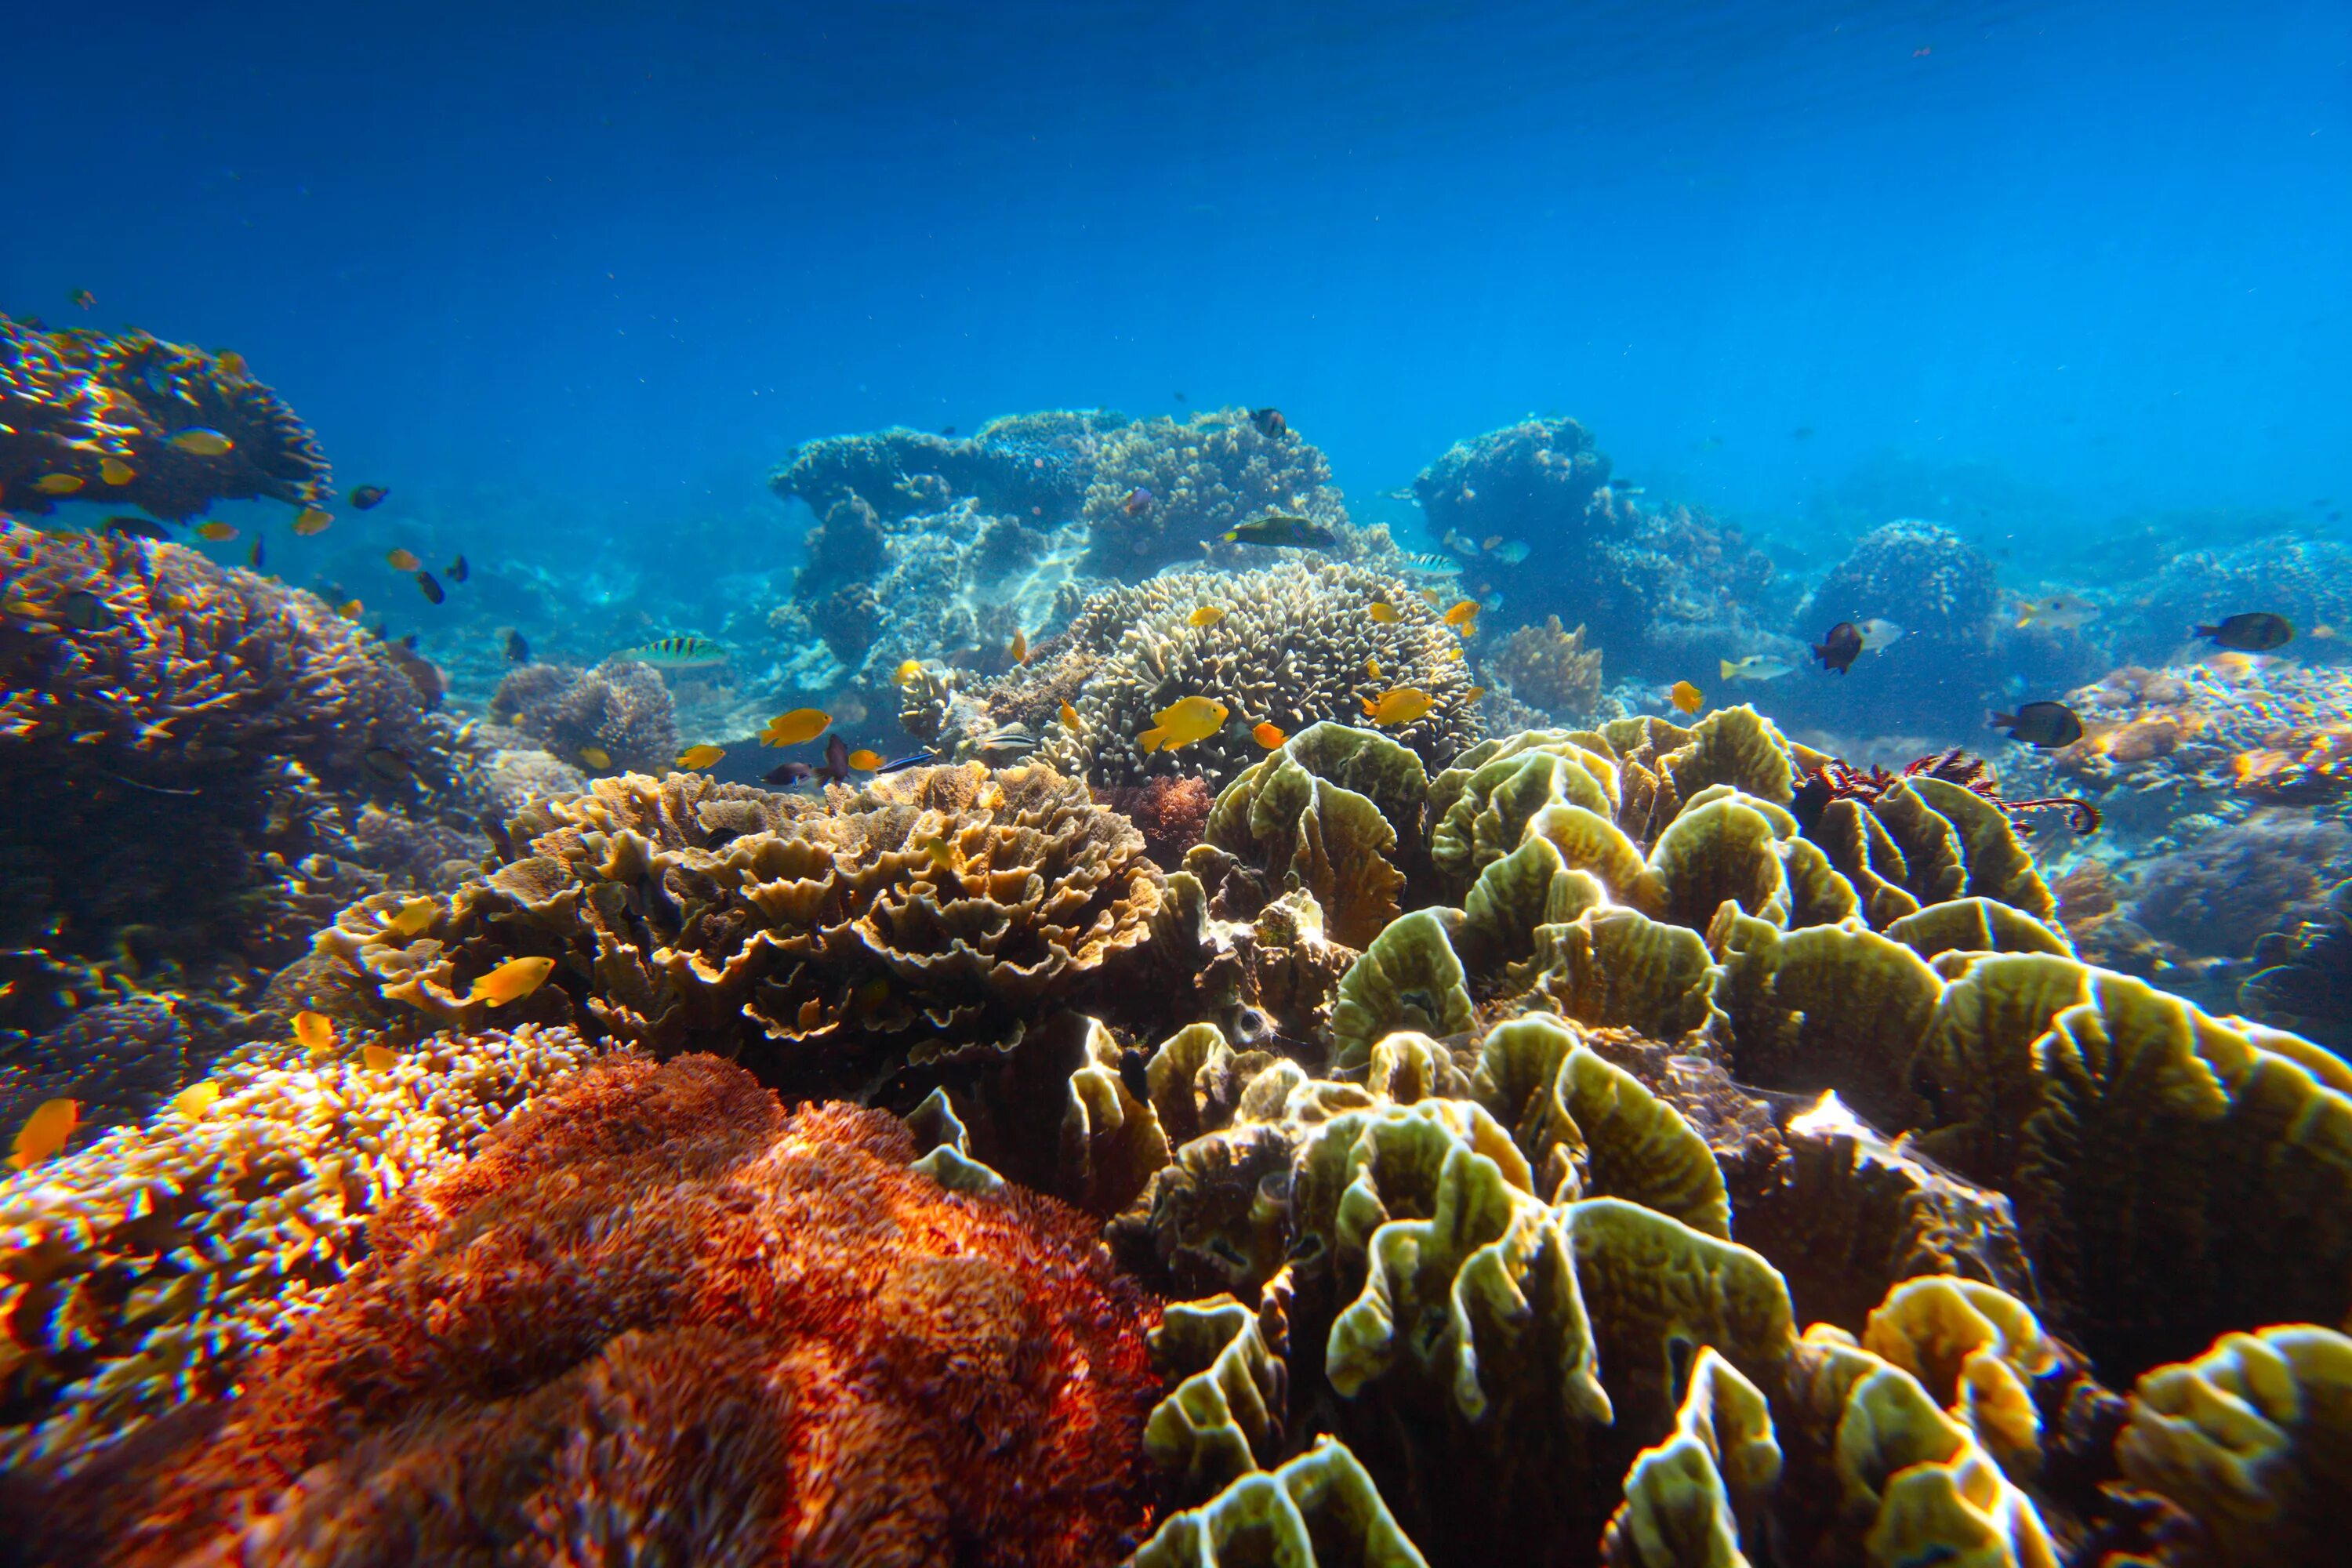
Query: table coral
{"type": "Point", "coordinates": [657, 1313]}
{"type": "Point", "coordinates": [72, 399]}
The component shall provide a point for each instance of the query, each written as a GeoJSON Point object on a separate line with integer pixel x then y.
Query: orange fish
{"type": "Point", "coordinates": [56, 484]}
{"type": "Point", "coordinates": [1463, 612]}
{"type": "Point", "coordinates": [316, 1032]}
{"type": "Point", "coordinates": [1474, 693]}
{"type": "Point", "coordinates": [1385, 613]}
{"type": "Point", "coordinates": [231, 362]}
{"type": "Point", "coordinates": [351, 609]}
{"type": "Point", "coordinates": [1687, 698]}
{"type": "Point", "coordinates": [1268, 734]}
{"type": "Point", "coordinates": [375, 1058]}
{"type": "Point", "coordinates": [864, 760]}
{"type": "Point", "coordinates": [511, 981]}
{"type": "Point", "coordinates": [1020, 647]}
{"type": "Point", "coordinates": [115, 471]}
{"type": "Point", "coordinates": [196, 1099]}
{"type": "Point", "coordinates": [45, 1131]}
{"type": "Point", "coordinates": [402, 559]}
{"type": "Point", "coordinates": [312, 520]}
{"type": "Point", "coordinates": [1069, 717]}
{"type": "Point", "coordinates": [216, 531]}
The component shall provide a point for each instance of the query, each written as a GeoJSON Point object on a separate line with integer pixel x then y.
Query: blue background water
{"type": "Point", "coordinates": [581, 274]}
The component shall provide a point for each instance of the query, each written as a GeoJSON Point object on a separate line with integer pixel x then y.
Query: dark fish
{"type": "Point", "coordinates": [1279, 527]}
{"type": "Point", "coordinates": [1132, 1066]}
{"type": "Point", "coordinates": [85, 610]}
{"type": "Point", "coordinates": [836, 766]}
{"type": "Point", "coordinates": [914, 759]}
{"type": "Point", "coordinates": [2046, 725]}
{"type": "Point", "coordinates": [1137, 500]}
{"type": "Point", "coordinates": [136, 527]}
{"type": "Point", "coordinates": [518, 650]}
{"type": "Point", "coordinates": [377, 631]}
{"type": "Point", "coordinates": [459, 570]}
{"type": "Point", "coordinates": [252, 557]}
{"type": "Point", "coordinates": [390, 765]}
{"type": "Point", "coordinates": [409, 642]}
{"type": "Point", "coordinates": [494, 829]}
{"type": "Point", "coordinates": [1269, 421]}
{"type": "Point", "coordinates": [787, 773]}
{"type": "Point", "coordinates": [1838, 651]}
{"type": "Point", "coordinates": [1179, 396]}
{"type": "Point", "coordinates": [429, 588]}
{"type": "Point", "coordinates": [2255, 631]}
{"type": "Point", "coordinates": [948, 430]}
{"type": "Point", "coordinates": [367, 498]}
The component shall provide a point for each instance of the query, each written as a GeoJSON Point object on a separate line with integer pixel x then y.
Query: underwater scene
{"type": "Point", "coordinates": [1224, 784]}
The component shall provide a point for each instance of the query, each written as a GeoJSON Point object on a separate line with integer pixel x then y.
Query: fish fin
{"type": "Point", "coordinates": [1230, 535]}
{"type": "Point", "coordinates": [2001, 721]}
{"type": "Point", "coordinates": [1151, 740]}
{"type": "Point", "coordinates": [1727, 668]}
{"type": "Point", "coordinates": [2204, 631]}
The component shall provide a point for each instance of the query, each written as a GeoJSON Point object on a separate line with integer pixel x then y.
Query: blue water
{"type": "Point", "coordinates": [580, 275]}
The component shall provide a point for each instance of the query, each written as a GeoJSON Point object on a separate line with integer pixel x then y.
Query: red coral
{"type": "Point", "coordinates": [1171, 814]}
{"type": "Point", "coordinates": [660, 1318]}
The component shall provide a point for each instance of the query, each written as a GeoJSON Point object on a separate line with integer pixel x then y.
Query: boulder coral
{"type": "Point", "coordinates": [1550, 669]}
{"type": "Point", "coordinates": [1197, 478]}
{"type": "Point", "coordinates": [622, 707]}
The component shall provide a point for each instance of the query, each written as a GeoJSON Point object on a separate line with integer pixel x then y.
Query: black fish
{"type": "Point", "coordinates": [1179, 396]}
{"type": "Point", "coordinates": [2045, 725]}
{"type": "Point", "coordinates": [253, 556]}
{"type": "Point", "coordinates": [367, 498]}
{"type": "Point", "coordinates": [835, 769]}
{"type": "Point", "coordinates": [787, 773]}
{"type": "Point", "coordinates": [913, 760]}
{"type": "Point", "coordinates": [85, 610]}
{"type": "Point", "coordinates": [409, 642]}
{"type": "Point", "coordinates": [430, 588]}
{"type": "Point", "coordinates": [459, 570]}
{"type": "Point", "coordinates": [390, 766]}
{"type": "Point", "coordinates": [1132, 1063]}
{"type": "Point", "coordinates": [948, 430]}
{"type": "Point", "coordinates": [136, 527]}
{"type": "Point", "coordinates": [1269, 421]}
{"type": "Point", "coordinates": [518, 650]}
{"type": "Point", "coordinates": [1279, 527]}
{"type": "Point", "coordinates": [1838, 651]}
{"type": "Point", "coordinates": [2255, 631]}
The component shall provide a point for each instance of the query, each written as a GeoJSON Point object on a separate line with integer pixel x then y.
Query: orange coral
{"type": "Point", "coordinates": [659, 1317]}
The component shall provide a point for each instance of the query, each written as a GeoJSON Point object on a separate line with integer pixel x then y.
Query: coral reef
{"type": "Point", "coordinates": [2303, 978]}
{"type": "Point", "coordinates": [74, 399]}
{"type": "Point", "coordinates": [1196, 480]}
{"type": "Point", "coordinates": [1025, 465]}
{"type": "Point", "coordinates": [1171, 813]}
{"type": "Point", "coordinates": [1550, 669]}
{"type": "Point", "coordinates": [657, 1315]}
{"type": "Point", "coordinates": [2216, 898]}
{"type": "Point", "coordinates": [2308, 581]}
{"type": "Point", "coordinates": [1662, 588]}
{"type": "Point", "coordinates": [622, 707]}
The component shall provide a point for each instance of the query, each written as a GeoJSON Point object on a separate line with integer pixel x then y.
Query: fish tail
{"type": "Point", "coordinates": [1150, 739]}
{"type": "Point", "coordinates": [2001, 721]}
{"type": "Point", "coordinates": [1730, 670]}
{"type": "Point", "coordinates": [2204, 631]}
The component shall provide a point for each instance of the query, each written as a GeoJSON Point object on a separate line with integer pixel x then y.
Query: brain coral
{"type": "Point", "coordinates": [70, 399]}
{"type": "Point", "coordinates": [622, 707]}
{"type": "Point", "coordinates": [933, 916]}
{"type": "Point", "coordinates": [1200, 477]}
{"type": "Point", "coordinates": [658, 1318]}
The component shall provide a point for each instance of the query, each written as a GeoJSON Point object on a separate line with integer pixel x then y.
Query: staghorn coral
{"type": "Point", "coordinates": [71, 398]}
{"type": "Point", "coordinates": [622, 707]}
{"type": "Point", "coordinates": [1551, 668]}
{"type": "Point", "coordinates": [139, 1272]}
{"type": "Point", "coordinates": [1201, 478]}
{"type": "Point", "coordinates": [852, 946]}
{"type": "Point", "coordinates": [657, 1315]}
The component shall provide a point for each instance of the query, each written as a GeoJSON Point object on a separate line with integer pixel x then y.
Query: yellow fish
{"type": "Point", "coordinates": [511, 981]}
{"type": "Point", "coordinates": [1401, 705]}
{"type": "Point", "coordinates": [1020, 648]}
{"type": "Point", "coordinates": [1453, 653]}
{"type": "Point", "coordinates": [1268, 734]}
{"type": "Point", "coordinates": [596, 757]}
{"type": "Point", "coordinates": [45, 1131]}
{"type": "Point", "coordinates": [316, 1034]}
{"type": "Point", "coordinates": [1474, 693]}
{"type": "Point", "coordinates": [864, 760]}
{"type": "Point", "coordinates": [1385, 613]}
{"type": "Point", "coordinates": [411, 917]}
{"type": "Point", "coordinates": [701, 756]}
{"type": "Point", "coordinates": [216, 531]}
{"type": "Point", "coordinates": [790, 729]}
{"type": "Point", "coordinates": [1372, 668]}
{"type": "Point", "coordinates": [1687, 698]}
{"type": "Point", "coordinates": [1184, 721]}
{"type": "Point", "coordinates": [115, 471]}
{"type": "Point", "coordinates": [202, 443]}
{"type": "Point", "coordinates": [946, 854]}
{"type": "Point", "coordinates": [1463, 612]}
{"type": "Point", "coordinates": [375, 1058]}
{"type": "Point", "coordinates": [231, 362]}
{"type": "Point", "coordinates": [1069, 717]}
{"type": "Point", "coordinates": [56, 484]}
{"type": "Point", "coordinates": [196, 1099]}
{"type": "Point", "coordinates": [1206, 615]}
{"type": "Point", "coordinates": [909, 673]}
{"type": "Point", "coordinates": [312, 520]}
{"type": "Point", "coordinates": [402, 560]}
{"type": "Point", "coordinates": [351, 609]}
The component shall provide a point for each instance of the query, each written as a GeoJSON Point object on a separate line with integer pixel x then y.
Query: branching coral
{"type": "Point", "coordinates": [71, 400]}
{"type": "Point", "coordinates": [1551, 668]}
{"type": "Point", "coordinates": [1161, 489]}
{"type": "Point", "coordinates": [622, 707]}
{"type": "Point", "coordinates": [657, 1315]}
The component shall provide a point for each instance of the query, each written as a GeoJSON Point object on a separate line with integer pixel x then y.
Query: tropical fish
{"type": "Point", "coordinates": [202, 443]}
{"type": "Point", "coordinates": [1755, 667]}
{"type": "Point", "coordinates": [83, 298]}
{"type": "Point", "coordinates": [787, 773]}
{"type": "Point", "coordinates": [316, 1034]}
{"type": "Point", "coordinates": [85, 610]}
{"type": "Point", "coordinates": [1283, 529]}
{"type": "Point", "coordinates": [790, 729]}
{"type": "Point", "coordinates": [1453, 653]}
{"type": "Point", "coordinates": [1474, 693]}
{"type": "Point", "coordinates": [252, 557]}
{"type": "Point", "coordinates": [351, 609]}
{"type": "Point", "coordinates": [1492, 542]}
{"type": "Point", "coordinates": [511, 981]}
{"type": "Point", "coordinates": [2060, 612]}
{"type": "Point", "coordinates": [946, 854]}
{"type": "Point", "coordinates": [2045, 725]}
{"type": "Point", "coordinates": [1137, 500]}
{"type": "Point", "coordinates": [1512, 551]}
{"type": "Point", "coordinates": [909, 673]}
{"type": "Point", "coordinates": [1269, 421]}
{"type": "Point", "coordinates": [1269, 733]}
{"type": "Point", "coordinates": [1464, 614]}
{"type": "Point", "coordinates": [432, 589]}
{"type": "Point", "coordinates": [219, 532]}
{"type": "Point", "coordinates": [115, 471]}
{"type": "Point", "coordinates": [1384, 612]}
{"type": "Point", "coordinates": [196, 1099]}
{"type": "Point", "coordinates": [1687, 698]}
{"type": "Point", "coordinates": [402, 561]}
{"type": "Point", "coordinates": [697, 757]}
{"type": "Point", "coordinates": [1019, 646]}
{"type": "Point", "coordinates": [312, 520]}
{"type": "Point", "coordinates": [516, 650]}
{"type": "Point", "coordinates": [835, 769]}
{"type": "Point", "coordinates": [375, 1058]}
{"type": "Point", "coordinates": [1206, 615]}
{"type": "Point", "coordinates": [679, 652]}
{"type": "Point", "coordinates": [56, 484]}
{"type": "Point", "coordinates": [412, 916]}
{"type": "Point", "coordinates": [367, 498]}
{"type": "Point", "coordinates": [1879, 634]}
{"type": "Point", "coordinates": [1069, 717]}
{"type": "Point", "coordinates": [596, 757]}
{"type": "Point", "coordinates": [458, 570]}
{"type": "Point", "coordinates": [1184, 721]}
{"type": "Point", "coordinates": [390, 766]}
{"type": "Point", "coordinates": [136, 527]}
{"type": "Point", "coordinates": [1372, 668]}
{"type": "Point", "coordinates": [1135, 1074]}
{"type": "Point", "coordinates": [865, 760]}
{"type": "Point", "coordinates": [2254, 631]}
{"type": "Point", "coordinates": [1839, 649]}
{"type": "Point", "coordinates": [45, 1131]}
{"type": "Point", "coordinates": [1399, 705]}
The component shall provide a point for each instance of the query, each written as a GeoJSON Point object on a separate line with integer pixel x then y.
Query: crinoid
{"type": "Point", "coordinates": [1839, 780]}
